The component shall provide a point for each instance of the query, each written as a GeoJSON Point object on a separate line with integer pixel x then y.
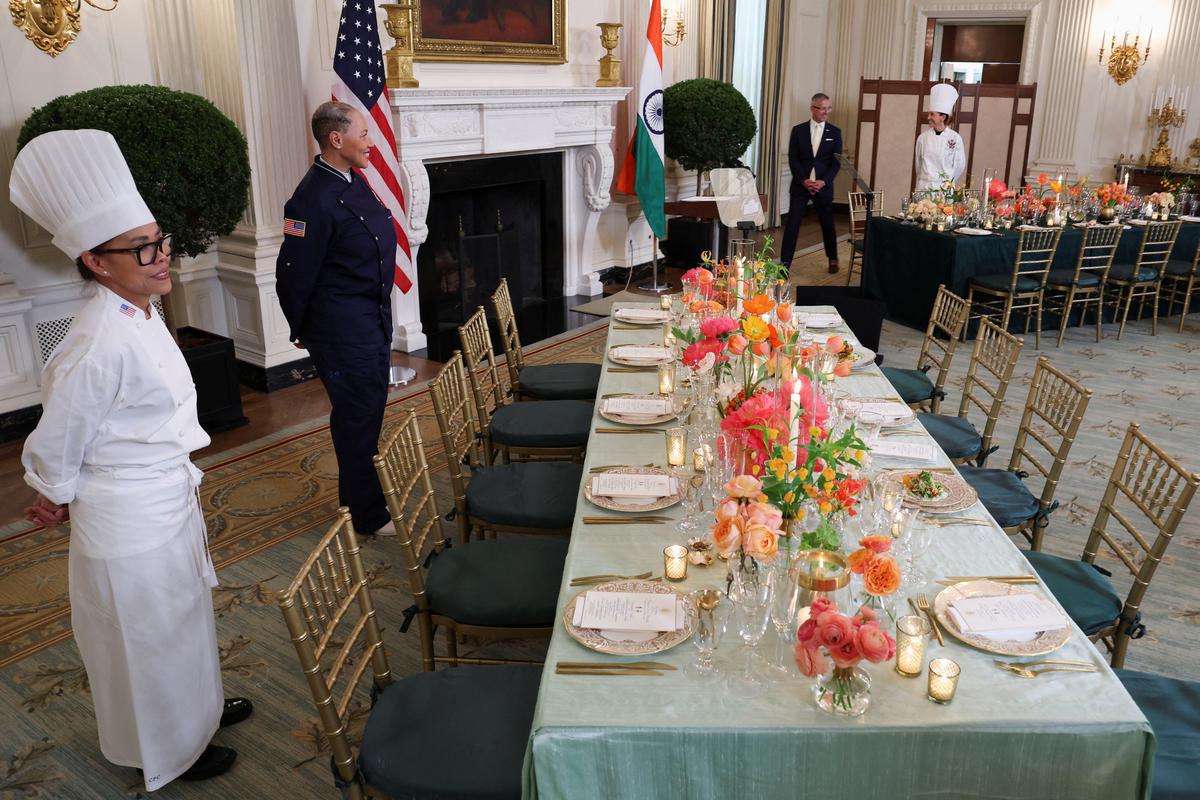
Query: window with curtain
{"type": "Point", "coordinates": [749, 31]}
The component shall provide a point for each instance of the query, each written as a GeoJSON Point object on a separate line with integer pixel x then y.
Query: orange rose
{"type": "Point", "coordinates": [858, 560]}
{"type": "Point", "coordinates": [759, 304]}
{"type": "Point", "coordinates": [881, 576]}
{"type": "Point", "coordinates": [727, 535]}
{"type": "Point", "coordinates": [760, 542]}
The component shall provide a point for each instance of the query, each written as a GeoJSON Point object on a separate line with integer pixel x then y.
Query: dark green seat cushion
{"type": "Point", "coordinates": [537, 494]}
{"type": "Point", "coordinates": [1086, 594]}
{"type": "Point", "coordinates": [1124, 272]}
{"type": "Point", "coordinates": [956, 435]}
{"type": "Point", "coordinates": [1003, 494]}
{"type": "Point", "coordinates": [1177, 267]}
{"type": "Point", "coordinates": [1000, 283]}
{"type": "Point", "coordinates": [1066, 277]}
{"type": "Point", "coordinates": [561, 381]}
{"type": "Point", "coordinates": [1173, 708]}
{"type": "Point", "coordinates": [549, 423]}
{"type": "Point", "coordinates": [504, 582]}
{"type": "Point", "coordinates": [858, 244]}
{"type": "Point", "coordinates": [453, 734]}
{"type": "Point", "coordinates": [912, 385]}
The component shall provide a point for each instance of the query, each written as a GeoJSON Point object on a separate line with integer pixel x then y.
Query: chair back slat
{"type": "Point", "coordinates": [1035, 254]}
{"type": "Point", "coordinates": [1058, 402]}
{"type": "Point", "coordinates": [858, 210]}
{"type": "Point", "coordinates": [461, 435]}
{"type": "Point", "coordinates": [352, 643]}
{"type": "Point", "coordinates": [948, 318]}
{"type": "Point", "coordinates": [510, 337]}
{"type": "Point", "coordinates": [1157, 243]}
{"type": "Point", "coordinates": [482, 371]}
{"type": "Point", "coordinates": [1097, 249]}
{"type": "Point", "coordinates": [996, 351]}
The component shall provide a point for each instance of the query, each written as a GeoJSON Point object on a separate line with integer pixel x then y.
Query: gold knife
{"type": "Point", "coordinates": [572, 671]}
{"type": "Point", "coordinates": [615, 665]}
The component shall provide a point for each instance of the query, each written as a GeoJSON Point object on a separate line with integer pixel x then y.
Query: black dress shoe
{"type": "Point", "coordinates": [236, 710]}
{"type": "Point", "coordinates": [833, 267]}
{"type": "Point", "coordinates": [212, 762]}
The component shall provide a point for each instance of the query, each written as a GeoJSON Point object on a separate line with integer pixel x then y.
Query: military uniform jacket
{"type": "Point", "coordinates": [337, 264]}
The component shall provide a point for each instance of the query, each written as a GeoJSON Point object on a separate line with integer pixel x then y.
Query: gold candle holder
{"type": "Point", "coordinates": [699, 459]}
{"type": "Point", "coordinates": [666, 379]}
{"type": "Point", "coordinates": [398, 61]}
{"type": "Point", "coordinates": [665, 300]}
{"type": "Point", "coordinates": [911, 634]}
{"type": "Point", "coordinates": [943, 680]}
{"type": "Point", "coordinates": [610, 65]}
{"type": "Point", "coordinates": [676, 446]}
{"type": "Point", "coordinates": [675, 562]}
{"type": "Point", "coordinates": [668, 336]}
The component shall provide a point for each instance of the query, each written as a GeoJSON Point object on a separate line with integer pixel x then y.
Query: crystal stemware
{"type": "Point", "coordinates": [712, 615]}
{"type": "Point", "coordinates": [751, 591]}
{"type": "Point", "coordinates": [785, 601]}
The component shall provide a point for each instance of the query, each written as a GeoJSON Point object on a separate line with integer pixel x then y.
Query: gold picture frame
{"type": "Point", "coordinates": [490, 31]}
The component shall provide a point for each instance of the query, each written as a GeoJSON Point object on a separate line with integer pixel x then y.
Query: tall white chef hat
{"type": "Point", "coordinates": [942, 97]}
{"type": "Point", "coordinates": [77, 186]}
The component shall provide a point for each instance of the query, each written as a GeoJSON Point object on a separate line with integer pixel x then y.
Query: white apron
{"type": "Point", "coordinates": [142, 615]}
{"type": "Point", "coordinates": [939, 158]}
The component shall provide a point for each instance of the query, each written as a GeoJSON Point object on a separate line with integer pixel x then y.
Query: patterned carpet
{"type": "Point", "coordinates": [267, 502]}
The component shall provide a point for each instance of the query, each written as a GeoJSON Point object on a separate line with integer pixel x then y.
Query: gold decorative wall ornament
{"type": "Point", "coordinates": [398, 62]}
{"type": "Point", "coordinates": [1164, 119]}
{"type": "Point", "coordinates": [1124, 58]}
{"type": "Point", "coordinates": [50, 24]}
{"type": "Point", "coordinates": [610, 65]}
{"type": "Point", "coordinates": [672, 32]}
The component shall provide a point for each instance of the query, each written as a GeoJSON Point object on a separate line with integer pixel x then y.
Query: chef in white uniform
{"type": "Point", "coordinates": [111, 453]}
{"type": "Point", "coordinates": [941, 156]}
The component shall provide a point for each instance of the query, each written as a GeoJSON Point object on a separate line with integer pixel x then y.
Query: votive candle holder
{"type": "Point", "coordinates": [666, 378]}
{"type": "Point", "coordinates": [664, 301]}
{"type": "Point", "coordinates": [675, 562]}
{"type": "Point", "coordinates": [943, 680]}
{"type": "Point", "coordinates": [912, 632]}
{"type": "Point", "coordinates": [676, 446]}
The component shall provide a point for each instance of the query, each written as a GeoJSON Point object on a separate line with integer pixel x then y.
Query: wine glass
{"type": "Point", "coordinates": [785, 601]}
{"type": "Point", "coordinates": [919, 539]}
{"type": "Point", "coordinates": [751, 591]}
{"type": "Point", "coordinates": [712, 617]}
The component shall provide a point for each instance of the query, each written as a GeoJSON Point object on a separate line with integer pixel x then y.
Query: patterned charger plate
{"type": "Point", "coordinates": [957, 495]}
{"type": "Point", "coordinates": [1045, 642]}
{"type": "Point", "coordinates": [624, 315]}
{"type": "Point", "coordinates": [664, 356]}
{"type": "Point", "coordinates": [631, 504]}
{"type": "Point", "coordinates": [630, 643]}
{"type": "Point", "coordinates": [863, 356]}
{"type": "Point", "coordinates": [626, 419]}
{"type": "Point", "coordinates": [891, 423]}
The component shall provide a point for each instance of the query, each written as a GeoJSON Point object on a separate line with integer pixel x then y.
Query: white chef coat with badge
{"type": "Point", "coordinates": [118, 423]}
{"type": "Point", "coordinates": [940, 158]}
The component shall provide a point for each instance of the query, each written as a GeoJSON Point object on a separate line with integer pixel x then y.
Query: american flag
{"type": "Point", "coordinates": [359, 81]}
{"type": "Point", "coordinates": [127, 310]}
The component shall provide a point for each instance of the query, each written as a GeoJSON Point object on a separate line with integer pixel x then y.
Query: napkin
{"type": "Point", "coordinates": [617, 485]}
{"type": "Point", "coordinates": [1030, 228]}
{"type": "Point", "coordinates": [637, 406]}
{"type": "Point", "coordinates": [641, 352]}
{"type": "Point", "coordinates": [975, 231]}
{"type": "Point", "coordinates": [890, 411]}
{"type": "Point", "coordinates": [643, 314]}
{"type": "Point", "coordinates": [628, 611]}
{"type": "Point", "coordinates": [819, 320]}
{"type": "Point", "coordinates": [1006, 618]}
{"type": "Point", "coordinates": [1139, 222]}
{"type": "Point", "coordinates": [909, 451]}
{"type": "Point", "coordinates": [1188, 218]}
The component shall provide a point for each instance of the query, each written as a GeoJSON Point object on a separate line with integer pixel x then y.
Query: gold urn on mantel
{"type": "Point", "coordinates": [398, 62]}
{"type": "Point", "coordinates": [610, 65]}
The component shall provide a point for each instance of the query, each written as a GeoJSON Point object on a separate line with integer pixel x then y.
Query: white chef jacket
{"type": "Point", "coordinates": [939, 157]}
{"type": "Point", "coordinates": [118, 423]}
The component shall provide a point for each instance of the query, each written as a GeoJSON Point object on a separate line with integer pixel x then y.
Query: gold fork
{"type": "Point", "coordinates": [923, 604]}
{"type": "Point", "coordinates": [1023, 672]}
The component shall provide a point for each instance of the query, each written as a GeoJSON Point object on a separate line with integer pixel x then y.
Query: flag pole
{"type": "Point", "coordinates": [654, 285]}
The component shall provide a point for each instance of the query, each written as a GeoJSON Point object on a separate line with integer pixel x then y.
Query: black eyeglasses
{"type": "Point", "coordinates": [146, 254]}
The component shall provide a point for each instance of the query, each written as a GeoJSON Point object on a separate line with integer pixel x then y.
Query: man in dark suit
{"type": "Point", "coordinates": [812, 154]}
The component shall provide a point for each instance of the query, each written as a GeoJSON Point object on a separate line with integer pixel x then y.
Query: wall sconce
{"type": "Point", "coordinates": [1124, 58]}
{"type": "Point", "coordinates": [673, 29]}
{"type": "Point", "coordinates": [50, 24]}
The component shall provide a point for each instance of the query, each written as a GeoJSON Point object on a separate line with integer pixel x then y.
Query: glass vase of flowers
{"type": "Point", "coordinates": [830, 647]}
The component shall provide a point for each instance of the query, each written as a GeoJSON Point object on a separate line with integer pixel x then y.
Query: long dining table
{"type": "Point", "coordinates": [1061, 735]}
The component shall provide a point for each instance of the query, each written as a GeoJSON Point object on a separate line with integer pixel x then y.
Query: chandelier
{"type": "Point", "coordinates": [50, 24]}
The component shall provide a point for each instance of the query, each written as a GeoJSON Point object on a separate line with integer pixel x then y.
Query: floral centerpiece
{"type": "Point", "coordinates": [879, 570]}
{"type": "Point", "coordinates": [1109, 196]}
{"type": "Point", "coordinates": [846, 641]}
{"type": "Point", "coordinates": [923, 210]}
{"type": "Point", "coordinates": [1161, 200]}
{"type": "Point", "coordinates": [745, 522]}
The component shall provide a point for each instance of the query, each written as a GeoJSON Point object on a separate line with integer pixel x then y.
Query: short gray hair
{"type": "Point", "coordinates": [329, 117]}
{"type": "Point", "coordinates": [818, 97]}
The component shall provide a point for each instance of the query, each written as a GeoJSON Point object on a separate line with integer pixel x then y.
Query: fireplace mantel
{"type": "Point", "coordinates": [450, 124]}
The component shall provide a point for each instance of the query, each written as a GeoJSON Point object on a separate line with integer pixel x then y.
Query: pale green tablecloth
{"type": "Point", "coordinates": [1064, 735]}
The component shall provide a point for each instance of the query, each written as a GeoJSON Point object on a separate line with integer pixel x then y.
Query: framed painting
{"type": "Point", "coordinates": [528, 31]}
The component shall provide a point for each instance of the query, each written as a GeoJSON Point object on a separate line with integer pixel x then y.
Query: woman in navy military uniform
{"type": "Point", "coordinates": [334, 279]}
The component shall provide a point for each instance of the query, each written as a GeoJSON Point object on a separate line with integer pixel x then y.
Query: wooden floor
{"type": "Point", "coordinates": [284, 407]}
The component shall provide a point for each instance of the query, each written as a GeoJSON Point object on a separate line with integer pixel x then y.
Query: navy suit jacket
{"type": "Point", "coordinates": [336, 266]}
{"type": "Point", "coordinates": [803, 161]}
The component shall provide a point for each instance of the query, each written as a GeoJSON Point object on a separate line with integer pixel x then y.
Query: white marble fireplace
{"type": "Point", "coordinates": [452, 124]}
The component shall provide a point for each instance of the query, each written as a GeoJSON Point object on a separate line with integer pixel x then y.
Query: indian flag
{"type": "Point", "coordinates": [642, 173]}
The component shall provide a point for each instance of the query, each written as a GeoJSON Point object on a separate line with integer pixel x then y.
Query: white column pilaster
{"type": "Point", "coordinates": [1058, 101]}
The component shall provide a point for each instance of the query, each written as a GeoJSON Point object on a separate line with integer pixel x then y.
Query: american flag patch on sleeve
{"type": "Point", "coordinates": [293, 227]}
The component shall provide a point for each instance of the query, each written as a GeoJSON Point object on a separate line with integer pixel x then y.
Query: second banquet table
{"type": "Point", "coordinates": [905, 263]}
{"type": "Point", "coordinates": [1065, 735]}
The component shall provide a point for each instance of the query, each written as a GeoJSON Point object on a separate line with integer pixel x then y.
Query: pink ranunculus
{"type": "Point", "coordinates": [737, 344]}
{"type": "Point", "coordinates": [874, 643]}
{"type": "Point", "coordinates": [845, 654]}
{"type": "Point", "coordinates": [820, 605]}
{"type": "Point", "coordinates": [866, 614]}
{"type": "Point", "coordinates": [810, 662]}
{"type": "Point", "coordinates": [806, 634]}
{"type": "Point", "coordinates": [727, 510]}
{"type": "Point", "coordinates": [715, 327]}
{"type": "Point", "coordinates": [744, 486]}
{"type": "Point", "coordinates": [833, 629]}
{"type": "Point", "coordinates": [764, 514]}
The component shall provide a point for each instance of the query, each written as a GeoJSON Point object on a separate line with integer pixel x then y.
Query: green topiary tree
{"type": "Point", "coordinates": [188, 160]}
{"type": "Point", "coordinates": [709, 124]}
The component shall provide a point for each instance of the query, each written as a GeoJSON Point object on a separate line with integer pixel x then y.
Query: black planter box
{"type": "Point", "coordinates": [215, 372]}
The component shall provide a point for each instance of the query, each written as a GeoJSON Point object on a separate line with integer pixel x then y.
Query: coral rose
{"type": "Point", "coordinates": [736, 344]}
{"type": "Point", "coordinates": [714, 327]}
{"type": "Point", "coordinates": [810, 662]}
{"type": "Point", "coordinates": [859, 559]}
{"type": "Point", "coordinates": [821, 605]}
{"type": "Point", "coordinates": [744, 486]}
{"type": "Point", "coordinates": [761, 542]}
{"type": "Point", "coordinates": [727, 535]}
{"type": "Point", "coordinates": [876, 543]}
{"type": "Point", "coordinates": [874, 643]}
{"type": "Point", "coordinates": [759, 304]}
{"type": "Point", "coordinates": [833, 629]}
{"type": "Point", "coordinates": [881, 576]}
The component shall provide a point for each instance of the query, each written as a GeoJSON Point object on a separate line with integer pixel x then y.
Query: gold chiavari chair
{"type": "Point", "coordinates": [946, 324]}
{"type": "Point", "coordinates": [1146, 485]}
{"type": "Point", "coordinates": [1084, 285]}
{"type": "Point", "coordinates": [1141, 280]}
{"type": "Point", "coordinates": [524, 497]}
{"type": "Point", "coordinates": [410, 723]}
{"type": "Point", "coordinates": [1053, 413]}
{"type": "Point", "coordinates": [992, 362]}
{"type": "Point", "coordinates": [494, 589]}
{"type": "Point", "coordinates": [858, 219]}
{"type": "Point", "coordinates": [1023, 288]}
{"type": "Point", "coordinates": [1179, 282]}
{"type": "Point", "coordinates": [567, 381]}
{"type": "Point", "coordinates": [550, 429]}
